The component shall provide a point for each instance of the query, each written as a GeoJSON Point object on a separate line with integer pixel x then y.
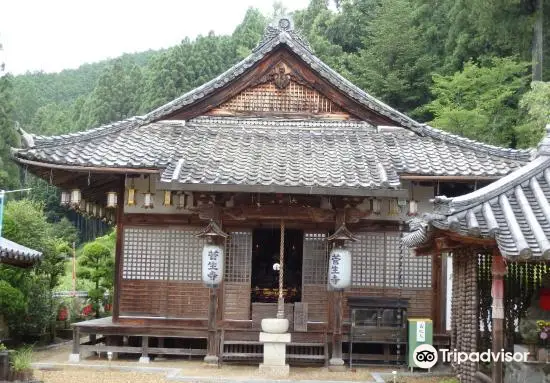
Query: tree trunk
{"type": "Point", "coordinates": [537, 51]}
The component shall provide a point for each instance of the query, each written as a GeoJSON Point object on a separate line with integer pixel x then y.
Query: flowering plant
{"type": "Point", "coordinates": [63, 314]}
{"type": "Point", "coordinates": [544, 327]}
{"type": "Point", "coordinates": [87, 310]}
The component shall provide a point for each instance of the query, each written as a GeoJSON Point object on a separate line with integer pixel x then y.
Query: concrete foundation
{"type": "Point", "coordinates": [74, 358]}
{"type": "Point", "coordinates": [144, 359]}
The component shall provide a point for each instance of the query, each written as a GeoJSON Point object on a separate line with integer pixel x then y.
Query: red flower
{"type": "Point", "coordinates": [87, 310]}
{"type": "Point", "coordinates": [63, 314]}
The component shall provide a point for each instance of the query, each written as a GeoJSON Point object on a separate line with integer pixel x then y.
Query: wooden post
{"type": "Point", "coordinates": [212, 352]}
{"type": "Point", "coordinates": [118, 249]}
{"type": "Point", "coordinates": [498, 271]}
{"type": "Point", "coordinates": [436, 291]}
{"type": "Point", "coordinates": [336, 363]}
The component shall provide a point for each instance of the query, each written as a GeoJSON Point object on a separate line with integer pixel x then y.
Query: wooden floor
{"type": "Point", "coordinates": [139, 327]}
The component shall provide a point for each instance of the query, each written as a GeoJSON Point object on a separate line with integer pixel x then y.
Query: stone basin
{"type": "Point", "coordinates": [275, 325]}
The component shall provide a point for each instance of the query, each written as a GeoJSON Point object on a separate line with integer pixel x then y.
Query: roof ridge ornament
{"type": "Point", "coordinates": [282, 27]}
{"type": "Point", "coordinates": [544, 146]}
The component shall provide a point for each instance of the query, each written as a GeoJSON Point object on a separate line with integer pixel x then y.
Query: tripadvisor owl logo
{"type": "Point", "coordinates": [425, 356]}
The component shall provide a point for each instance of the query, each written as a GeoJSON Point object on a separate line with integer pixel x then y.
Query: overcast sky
{"type": "Point", "coordinates": [51, 35]}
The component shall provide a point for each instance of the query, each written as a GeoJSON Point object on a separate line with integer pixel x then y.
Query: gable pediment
{"type": "Point", "coordinates": [281, 92]}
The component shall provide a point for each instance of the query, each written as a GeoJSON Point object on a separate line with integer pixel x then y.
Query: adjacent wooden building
{"type": "Point", "coordinates": [278, 138]}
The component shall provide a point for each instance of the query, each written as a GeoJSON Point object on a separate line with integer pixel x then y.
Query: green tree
{"type": "Point", "coordinates": [9, 175]}
{"type": "Point", "coordinates": [481, 102]}
{"type": "Point", "coordinates": [536, 102]}
{"type": "Point", "coordinates": [97, 265]}
{"type": "Point", "coordinates": [117, 94]}
{"type": "Point", "coordinates": [395, 64]}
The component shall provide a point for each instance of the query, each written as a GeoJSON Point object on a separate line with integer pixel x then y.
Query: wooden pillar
{"type": "Point", "coordinates": [212, 346]}
{"type": "Point", "coordinates": [497, 292]}
{"type": "Point", "coordinates": [436, 293]}
{"type": "Point", "coordinates": [336, 363]}
{"type": "Point", "coordinates": [118, 249]}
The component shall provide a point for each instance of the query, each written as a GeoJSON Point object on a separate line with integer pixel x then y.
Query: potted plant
{"type": "Point", "coordinates": [21, 364]}
{"type": "Point", "coordinates": [530, 332]}
{"type": "Point", "coordinates": [542, 353]}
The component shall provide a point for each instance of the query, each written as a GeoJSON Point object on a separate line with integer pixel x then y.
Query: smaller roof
{"type": "Point", "coordinates": [18, 255]}
{"type": "Point", "coordinates": [515, 211]}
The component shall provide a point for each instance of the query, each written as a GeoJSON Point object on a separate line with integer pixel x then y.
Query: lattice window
{"type": "Point", "coordinates": [185, 255]}
{"type": "Point", "coordinates": [238, 258]}
{"type": "Point", "coordinates": [162, 253]}
{"type": "Point", "coordinates": [295, 98]}
{"type": "Point", "coordinates": [375, 262]}
{"type": "Point", "coordinates": [315, 259]}
{"type": "Point", "coordinates": [368, 254]}
{"type": "Point", "coordinates": [417, 271]}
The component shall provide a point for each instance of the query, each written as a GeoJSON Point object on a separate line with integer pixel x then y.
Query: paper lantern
{"type": "Point", "coordinates": [148, 200]}
{"type": "Point", "coordinates": [167, 198]}
{"type": "Point", "coordinates": [131, 197]}
{"type": "Point", "coordinates": [180, 204]}
{"type": "Point", "coordinates": [89, 208]}
{"type": "Point", "coordinates": [212, 265]}
{"type": "Point", "coordinates": [413, 207]}
{"type": "Point", "coordinates": [393, 207]}
{"type": "Point", "coordinates": [65, 198]}
{"type": "Point", "coordinates": [76, 196]}
{"type": "Point", "coordinates": [111, 199]}
{"type": "Point", "coordinates": [376, 206]}
{"type": "Point", "coordinates": [339, 268]}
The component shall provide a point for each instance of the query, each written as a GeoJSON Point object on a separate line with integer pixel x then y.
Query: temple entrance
{"type": "Point", "coordinates": [265, 265]}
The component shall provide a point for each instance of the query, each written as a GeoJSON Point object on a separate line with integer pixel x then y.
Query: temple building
{"type": "Point", "coordinates": [277, 153]}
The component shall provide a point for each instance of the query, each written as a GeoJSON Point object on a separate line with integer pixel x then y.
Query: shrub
{"type": "Point", "coordinates": [21, 359]}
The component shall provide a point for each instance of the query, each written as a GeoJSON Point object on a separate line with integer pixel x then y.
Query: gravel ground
{"type": "Point", "coordinates": [82, 374]}
{"type": "Point", "coordinates": [94, 376]}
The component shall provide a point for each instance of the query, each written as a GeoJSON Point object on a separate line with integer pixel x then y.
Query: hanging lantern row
{"type": "Point", "coordinates": [395, 207]}
{"type": "Point", "coordinates": [74, 199]}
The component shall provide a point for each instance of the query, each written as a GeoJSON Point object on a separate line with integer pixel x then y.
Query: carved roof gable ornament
{"type": "Point", "coordinates": [281, 78]}
{"type": "Point", "coordinates": [281, 27]}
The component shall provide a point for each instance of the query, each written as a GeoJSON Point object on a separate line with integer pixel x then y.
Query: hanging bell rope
{"type": "Point", "coordinates": [281, 301]}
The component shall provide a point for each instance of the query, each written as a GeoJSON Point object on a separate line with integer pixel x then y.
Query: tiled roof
{"type": "Point", "coordinates": [16, 254]}
{"type": "Point", "coordinates": [263, 151]}
{"type": "Point", "coordinates": [515, 210]}
{"type": "Point", "coordinates": [278, 35]}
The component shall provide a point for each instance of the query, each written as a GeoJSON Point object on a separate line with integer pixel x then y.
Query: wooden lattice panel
{"type": "Point", "coordinates": [417, 271]}
{"type": "Point", "coordinates": [162, 254]}
{"type": "Point", "coordinates": [368, 257]}
{"type": "Point", "coordinates": [268, 98]}
{"type": "Point", "coordinates": [238, 259]}
{"type": "Point", "coordinates": [315, 259]}
{"type": "Point", "coordinates": [376, 258]}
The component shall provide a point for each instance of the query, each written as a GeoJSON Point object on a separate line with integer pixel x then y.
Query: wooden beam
{"type": "Point", "coordinates": [498, 270]}
{"type": "Point", "coordinates": [86, 169]}
{"type": "Point", "coordinates": [415, 177]}
{"type": "Point", "coordinates": [118, 249]}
